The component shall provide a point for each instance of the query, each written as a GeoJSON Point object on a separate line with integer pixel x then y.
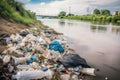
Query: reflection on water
{"type": "Point", "coordinates": [105, 23]}
{"type": "Point", "coordinates": [115, 30]}
{"type": "Point", "coordinates": [62, 22]}
{"type": "Point", "coordinates": [104, 28]}
{"type": "Point", "coordinates": [116, 23]}
{"type": "Point", "coordinates": [100, 22]}
{"type": "Point", "coordinates": [98, 43]}
{"type": "Point", "coordinates": [96, 28]}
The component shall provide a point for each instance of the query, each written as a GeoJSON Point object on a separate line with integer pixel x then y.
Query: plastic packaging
{"type": "Point", "coordinates": [29, 62]}
{"type": "Point", "coordinates": [89, 71]}
{"type": "Point", "coordinates": [33, 57]}
{"type": "Point", "coordinates": [45, 69]}
{"type": "Point", "coordinates": [65, 77]}
{"type": "Point", "coordinates": [20, 60]}
{"type": "Point", "coordinates": [75, 77]}
{"type": "Point", "coordinates": [6, 59]}
{"type": "Point", "coordinates": [35, 74]}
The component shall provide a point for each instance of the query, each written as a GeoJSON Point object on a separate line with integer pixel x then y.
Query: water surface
{"type": "Point", "coordinates": [99, 44]}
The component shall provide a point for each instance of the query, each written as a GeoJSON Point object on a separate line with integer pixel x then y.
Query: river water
{"type": "Point", "coordinates": [99, 44]}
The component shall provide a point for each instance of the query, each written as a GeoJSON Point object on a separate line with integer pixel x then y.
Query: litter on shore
{"type": "Point", "coordinates": [40, 54]}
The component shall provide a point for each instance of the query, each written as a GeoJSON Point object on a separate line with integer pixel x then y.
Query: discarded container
{"type": "Point", "coordinates": [61, 68]}
{"type": "Point", "coordinates": [45, 69]}
{"type": "Point", "coordinates": [55, 65]}
{"type": "Point", "coordinates": [33, 57]}
{"type": "Point", "coordinates": [6, 59]}
{"type": "Point", "coordinates": [21, 60]}
{"type": "Point", "coordinates": [29, 49]}
{"type": "Point", "coordinates": [29, 62]}
{"type": "Point", "coordinates": [89, 71]}
{"type": "Point", "coordinates": [35, 65]}
{"type": "Point", "coordinates": [75, 68]}
{"type": "Point", "coordinates": [35, 74]}
{"type": "Point", "coordinates": [74, 77]}
{"type": "Point", "coordinates": [23, 67]}
{"type": "Point", "coordinates": [65, 77]}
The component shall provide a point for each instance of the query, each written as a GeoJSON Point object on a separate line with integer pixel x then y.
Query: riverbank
{"type": "Point", "coordinates": [95, 18]}
{"type": "Point", "coordinates": [27, 52]}
{"type": "Point", "coordinates": [11, 27]}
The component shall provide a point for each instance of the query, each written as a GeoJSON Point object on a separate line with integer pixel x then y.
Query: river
{"type": "Point", "coordinates": [99, 44]}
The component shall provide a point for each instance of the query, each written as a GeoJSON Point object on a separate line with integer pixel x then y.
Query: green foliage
{"type": "Point", "coordinates": [105, 12]}
{"type": "Point", "coordinates": [117, 13]}
{"type": "Point", "coordinates": [62, 14]}
{"type": "Point", "coordinates": [10, 9]}
{"type": "Point", "coordinates": [70, 14]}
{"type": "Point", "coordinates": [102, 12]}
{"type": "Point", "coordinates": [116, 18]}
{"type": "Point", "coordinates": [98, 15]}
{"type": "Point", "coordinates": [96, 11]}
{"type": "Point", "coordinates": [91, 17]}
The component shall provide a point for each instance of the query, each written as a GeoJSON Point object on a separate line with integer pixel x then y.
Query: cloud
{"type": "Point", "coordinates": [55, 7]}
{"type": "Point", "coordinates": [103, 2]}
{"type": "Point", "coordinates": [78, 7]}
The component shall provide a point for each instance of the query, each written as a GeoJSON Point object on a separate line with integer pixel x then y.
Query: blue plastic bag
{"type": "Point", "coordinates": [56, 46]}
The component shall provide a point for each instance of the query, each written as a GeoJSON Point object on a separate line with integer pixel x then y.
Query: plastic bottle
{"type": "Point", "coordinates": [35, 74]}
{"type": "Point", "coordinates": [65, 77]}
{"type": "Point", "coordinates": [6, 59]}
{"type": "Point", "coordinates": [89, 71]}
{"type": "Point", "coordinates": [45, 69]}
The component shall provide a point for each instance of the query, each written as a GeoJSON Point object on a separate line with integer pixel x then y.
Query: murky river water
{"type": "Point", "coordinates": [98, 44]}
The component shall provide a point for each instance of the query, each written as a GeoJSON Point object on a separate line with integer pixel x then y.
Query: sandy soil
{"type": "Point", "coordinates": [13, 27]}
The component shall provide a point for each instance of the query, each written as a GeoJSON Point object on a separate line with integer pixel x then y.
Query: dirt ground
{"type": "Point", "coordinates": [10, 27]}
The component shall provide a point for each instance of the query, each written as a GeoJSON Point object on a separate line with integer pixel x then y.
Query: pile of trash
{"type": "Point", "coordinates": [40, 54]}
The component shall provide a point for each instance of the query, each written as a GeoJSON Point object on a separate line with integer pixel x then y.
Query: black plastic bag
{"type": "Point", "coordinates": [24, 33]}
{"type": "Point", "coordinates": [73, 60]}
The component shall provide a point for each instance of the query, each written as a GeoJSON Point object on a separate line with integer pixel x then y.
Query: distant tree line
{"type": "Point", "coordinates": [101, 12]}
{"type": "Point", "coordinates": [98, 15]}
{"type": "Point", "coordinates": [63, 14]}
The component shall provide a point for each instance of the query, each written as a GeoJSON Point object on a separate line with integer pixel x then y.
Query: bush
{"type": "Point", "coordinates": [115, 18]}
{"type": "Point", "coordinates": [10, 9]}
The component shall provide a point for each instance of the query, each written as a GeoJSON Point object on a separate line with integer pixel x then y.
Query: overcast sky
{"type": "Point", "coordinates": [78, 7]}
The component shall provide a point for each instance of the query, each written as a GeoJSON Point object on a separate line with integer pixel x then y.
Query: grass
{"type": "Point", "coordinates": [10, 9]}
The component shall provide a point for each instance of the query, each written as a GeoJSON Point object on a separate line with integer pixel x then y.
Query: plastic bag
{"type": "Point", "coordinates": [56, 46]}
{"type": "Point", "coordinates": [73, 60]}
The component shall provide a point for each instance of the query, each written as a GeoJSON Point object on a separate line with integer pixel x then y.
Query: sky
{"type": "Point", "coordinates": [78, 7]}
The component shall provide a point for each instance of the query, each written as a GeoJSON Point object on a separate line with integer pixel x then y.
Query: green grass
{"type": "Point", "coordinates": [10, 9]}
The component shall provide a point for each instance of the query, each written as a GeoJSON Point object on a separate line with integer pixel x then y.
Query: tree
{"type": "Point", "coordinates": [117, 13]}
{"type": "Point", "coordinates": [62, 14]}
{"type": "Point", "coordinates": [96, 11]}
{"type": "Point", "coordinates": [105, 12]}
{"type": "Point", "coordinates": [70, 14]}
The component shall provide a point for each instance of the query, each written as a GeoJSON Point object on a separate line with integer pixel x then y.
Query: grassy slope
{"type": "Point", "coordinates": [10, 27]}
{"type": "Point", "coordinates": [10, 9]}
{"type": "Point", "coordinates": [13, 17]}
